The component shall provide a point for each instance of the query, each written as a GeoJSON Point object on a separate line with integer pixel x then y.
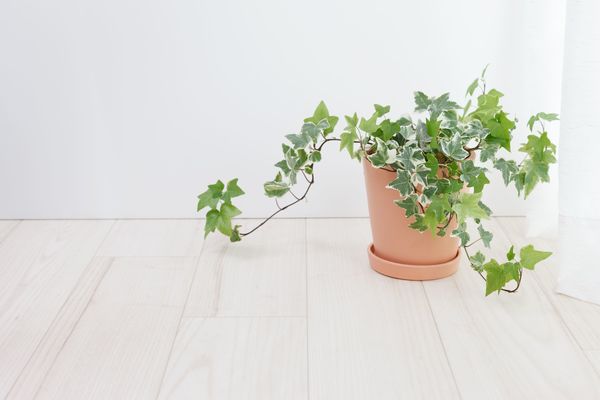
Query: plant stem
{"type": "Point", "coordinates": [298, 199]}
{"type": "Point", "coordinates": [312, 181]}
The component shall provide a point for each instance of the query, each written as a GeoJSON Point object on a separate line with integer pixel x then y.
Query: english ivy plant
{"type": "Point", "coordinates": [434, 157]}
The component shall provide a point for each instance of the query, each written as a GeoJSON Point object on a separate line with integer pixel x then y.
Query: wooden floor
{"type": "Point", "coordinates": [147, 309]}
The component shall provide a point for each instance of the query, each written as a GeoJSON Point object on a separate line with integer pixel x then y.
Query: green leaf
{"type": "Point", "coordinates": [477, 260]}
{"type": "Point", "coordinates": [508, 169]}
{"type": "Point", "coordinates": [511, 253]}
{"type": "Point", "coordinates": [352, 121]}
{"type": "Point", "coordinates": [488, 152]}
{"type": "Point", "coordinates": [440, 104]}
{"type": "Point", "coordinates": [315, 156]}
{"type": "Point", "coordinates": [500, 130]}
{"type": "Point", "coordinates": [461, 233]}
{"type": "Point", "coordinates": [229, 210]}
{"type": "Point", "coordinates": [548, 116]}
{"type": "Point", "coordinates": [449, 120]}
{"type": "Point", "coordinates": [422, 101]}
{"type": "Point", "coordinates": [233, 190]}
{"type": "Point", "coordinates": [454, 148]}
{"type": "Point", "coordinates": [484, 71]}
{"type": "Point", "coordinates": [539, 148]}
{"type": "Point", "coordinates": [469, 171]}
{"type": "Point", "coordinates": [410, 157]}
{"type": "Point", "coordinates": [322, 113]}
{"type": "Point", "coordinates": [302, 158]}
{"type": "Point", "coordinates": [433, 127]}
{"type": "Point", "coordinates": [282, 165]}
{"type": "Point", "coordinates": [409, 204]}
{"type": "Point", "coordinates": [381, 110]}
{"type": "Point", "coordinates": [436, 212]}
{"type": "Point", "coordinates": [469, 206]}
{"type": "Point", "coordinates": [389, 129]}
{"type": "Point", "coordinates": [313, 130]}
{"type": "Point", "coordinates": [535, 171]}
{"type": "Point", "coordinates": [369, 125]}
{"type": "Point", "coordinates": [519, 182]}
{"type": "Point", "coordinates": [530, 256]}
{"type": "Point", "coordinates": [212, 219]}
{"type": "Point", "coordinates": [486, 236]}
{"type": "Point", "coordinates": [210, 198]}
{"type": "Point", "coordinates": [466, 108]}
{"type": "Point", "coordinates": [291, 158]}
{"type": "Point", "coordinates": [275, 189]}
{"type": "Point", "coordinates": [432, 165]}
{"type": "Point", "coordinates": [471, 89]}
{"type": "Point", "coordinates": [418, 223]}
{"type": "Point", "coordinates": [223, 219]}
{"type": "Point", "coordinates": [422, 135]}
{"type": "Point", "coordinates": [224, 225]}
{"type": "Point", "coordinates": [475, 130]}
{"type": "Point", "coordinates": [347, 141]}
{"type": "Point", "coordinates": [429, 191]}
{"type": "Point", "coordinates": [495, 278]}
{"type": "Point", "coordinates": [235, 234]}
{"type": "Point", "coordinates": [541, 116]}
{"type": "Point", "coordinates": [512, 271]}
{"type": "Point", "coordinates": [299, 141]}
{"type": "Point", "coordinates": [479, 182]}
{"type": "Point", "coordinates": [489, 101]}
{"type": "Point", "coordinates": [402, 183]}
{"type": "Point", "coordinates": [382, 156]}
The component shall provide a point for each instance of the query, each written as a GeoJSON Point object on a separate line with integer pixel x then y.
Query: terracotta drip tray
{"type": "Point", "coordinates": [412, 272]}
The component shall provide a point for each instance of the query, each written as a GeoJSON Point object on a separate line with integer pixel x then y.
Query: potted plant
{"type": "Point", "coordinates": [424, 178]}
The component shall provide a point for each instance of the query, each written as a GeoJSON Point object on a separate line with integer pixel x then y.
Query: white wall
{"type": "Point", "coordinates": [129, 108]}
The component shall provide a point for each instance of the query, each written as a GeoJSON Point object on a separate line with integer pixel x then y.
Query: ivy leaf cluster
{"type": "Point", "coordinates": [302, 152]}
{"type": "Point", "coordinates": [498, 275]}
{"type": "Point", "coordinates": [217, 198]}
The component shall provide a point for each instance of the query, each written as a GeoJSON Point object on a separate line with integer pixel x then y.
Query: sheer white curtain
{"type": "Point", "coordinates": [579, 171]}
{"type": "Point", "coordinates": [544, 25]}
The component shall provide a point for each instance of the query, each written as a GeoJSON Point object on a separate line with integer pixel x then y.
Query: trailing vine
{"type": "Point", "coordinates": [434, 159]}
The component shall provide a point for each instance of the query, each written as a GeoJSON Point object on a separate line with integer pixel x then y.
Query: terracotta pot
{"type": "Point", "coordinates": [397, 250]}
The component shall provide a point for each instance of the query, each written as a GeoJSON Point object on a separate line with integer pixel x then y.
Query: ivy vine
{"type": "Point", "coordinates": [434, 156]}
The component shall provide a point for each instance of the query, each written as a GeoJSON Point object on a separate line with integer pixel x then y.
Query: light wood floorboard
{"type": "Point", "coordinates": [148, 309]}
{"type": "Point", "coordinates": [507, 346]}
{"type": "Point", "coordinates": [238, 358]}
{"type": "Point", "coordinates": [120, 347]}
{"type": "Point", "coordinates": [264, 275]}
{"type": "Point", "coordinates": [582, 319]}
{"type": "Point", "coordinates": [55, 338]}
{"type": "Point", "coordinates": [154, 238]}
{"type": "Point", "coordinates": [369, 336]}
{"type": "Point", "coordinates": [594, 357]}
{"type": "Point", "coordinates": [6, 226]}
{"type": "Point", "coordinates": [40, 264]}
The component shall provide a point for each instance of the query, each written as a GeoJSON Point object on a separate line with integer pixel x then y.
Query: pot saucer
{"type": "Point", "coordinates": [410, 272]}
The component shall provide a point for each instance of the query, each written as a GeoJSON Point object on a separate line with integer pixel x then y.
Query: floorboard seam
{"type": "Point", "coordinates": [62, 346]}
{"type": "Point", "coordinates": [437, 329]}
{"type": "Point", "coordinates": [181, 316]}
{"type": "Point", "coordinates": [306, 310]}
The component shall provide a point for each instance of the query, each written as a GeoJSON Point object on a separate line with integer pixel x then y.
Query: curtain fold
{"type": "Point", "coordinates": [579, 172]}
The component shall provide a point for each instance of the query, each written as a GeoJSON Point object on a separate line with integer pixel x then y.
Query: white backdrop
{"type": "Point", "coordinates": [129, 108]}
